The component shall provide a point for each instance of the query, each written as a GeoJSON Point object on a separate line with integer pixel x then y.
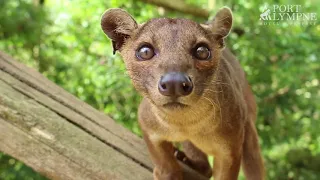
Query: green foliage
{"type": "Point", "coordinates": [282, 67]}
{"type": "Point", "coordinates": [11, 169]}
{"type": "Point", "coordinates": [63, 40]}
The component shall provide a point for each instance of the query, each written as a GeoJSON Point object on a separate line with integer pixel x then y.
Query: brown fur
{"type": "Point", "coordinates": [220, 113]}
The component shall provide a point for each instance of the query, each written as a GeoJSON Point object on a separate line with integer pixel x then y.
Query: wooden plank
{"type": "Point", "coordinates": [94, 129]}
{"type": "Point", "coordinates": [36, 154]}
{"type": "Point", "coordinates": [55, 147]}
{"type": "Point", "coordinates": [37, 81]}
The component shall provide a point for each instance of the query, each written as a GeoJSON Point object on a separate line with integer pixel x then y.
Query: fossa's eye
{"type": "Point", "coordinates": [201, 52]}
{"type": "Point", "coordinates": [145, 52]}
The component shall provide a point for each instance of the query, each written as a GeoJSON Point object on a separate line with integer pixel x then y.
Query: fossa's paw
{"type": "Point", "coordinates": [181, 156]}
{"type": "Point", "coordinates": [202, 168]}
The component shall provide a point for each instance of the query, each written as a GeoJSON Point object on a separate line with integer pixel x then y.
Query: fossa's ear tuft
{"type": "Point", "coordinates": [221, 25]}
{"type": "Point", "coordinates": [118, 25]}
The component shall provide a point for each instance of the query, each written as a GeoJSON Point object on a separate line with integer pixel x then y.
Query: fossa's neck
{"type": "Point", "coordinates": [202, 110]}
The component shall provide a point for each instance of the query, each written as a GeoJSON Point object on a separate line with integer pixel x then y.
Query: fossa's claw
{"type": "Point", "coordinates": [181, 156]}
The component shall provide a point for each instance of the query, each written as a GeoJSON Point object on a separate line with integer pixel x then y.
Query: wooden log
{"type": "Point", "coordinates": [62, 137]}
{"type": "Point", "coordinates": [56, 147]}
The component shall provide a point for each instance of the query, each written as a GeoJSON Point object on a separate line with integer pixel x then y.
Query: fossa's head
{"type": "Point", "coordinates": [170, 61]}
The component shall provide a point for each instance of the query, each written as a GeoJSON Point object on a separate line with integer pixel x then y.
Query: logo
{"type": "Point", "coordinates": [265, 15]}
{"type": "Point", "coordinates": [291, 14]}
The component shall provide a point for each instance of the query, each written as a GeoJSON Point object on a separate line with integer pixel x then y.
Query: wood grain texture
{"type": "Point", "coordinates": [34, 85]}
{"type": "Point", "coordinates": [30, 129]}
{"type": "Point", "coordinates": [62, 137]}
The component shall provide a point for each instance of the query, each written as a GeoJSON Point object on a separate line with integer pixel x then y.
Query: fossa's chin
{"type": "Point", "coordinates": [174, 105]}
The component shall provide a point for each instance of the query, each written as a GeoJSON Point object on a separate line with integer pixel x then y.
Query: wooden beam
{"type": "Point", "coordinates": [62, 137]}
{"type": "Point", "coordinates": [54, 146]}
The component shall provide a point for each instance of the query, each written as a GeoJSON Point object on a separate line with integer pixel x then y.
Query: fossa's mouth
{"type": "Point", "coordinates": [174, 105]}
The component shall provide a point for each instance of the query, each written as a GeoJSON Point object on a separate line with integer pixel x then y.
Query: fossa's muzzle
{"type": "Point", "coordinates": [175, 84]}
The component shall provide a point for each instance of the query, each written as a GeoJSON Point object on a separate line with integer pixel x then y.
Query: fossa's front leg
{"type": "Point", "coordinates": [227, 162]}
{"type": "Point", "coordinates": [196, 159]}
{"type": "Point", "coordinates": [226, 168]}
{"type": "Point", "coordinates": [162, 155]}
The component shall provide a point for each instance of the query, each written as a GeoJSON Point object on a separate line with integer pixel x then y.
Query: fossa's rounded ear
{"type": "Point", "coordinates": [221, 25]}
{"type": "Point", "coordinates": [118, 25]}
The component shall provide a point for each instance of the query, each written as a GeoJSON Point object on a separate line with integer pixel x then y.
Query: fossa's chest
{"type": "Point", "coordinates": [205, 133]}
{"type": "Point", "coordinates": [176, 130]}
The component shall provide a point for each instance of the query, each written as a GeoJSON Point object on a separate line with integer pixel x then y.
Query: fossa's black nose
{"type": "Point", "coordinates": [175, 84]}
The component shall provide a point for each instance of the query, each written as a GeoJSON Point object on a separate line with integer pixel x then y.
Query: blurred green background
{"type": "Point", "coordinates": [62, 39]}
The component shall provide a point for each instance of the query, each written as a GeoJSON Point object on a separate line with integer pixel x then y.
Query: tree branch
{"type": "Point", "coordinates": [181, 6]}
